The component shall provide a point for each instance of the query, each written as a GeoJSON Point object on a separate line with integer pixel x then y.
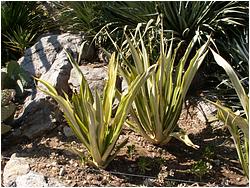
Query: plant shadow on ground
{"type": "Point", "coordinates": [215, 148]}
{"type": "Point", "coordinates": [136, 171]}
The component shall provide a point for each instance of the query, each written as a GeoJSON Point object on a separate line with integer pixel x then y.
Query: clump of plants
{"type": "Point", "coordinates": [200, 168]}
{"type": "Point", "coordinates": [157, 107]}
{"type": "Point", "coordinates": [90, 116]}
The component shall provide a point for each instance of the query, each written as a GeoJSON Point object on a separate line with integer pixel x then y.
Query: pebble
{"type": "Point", "coordinates": [153, 155]}
{"type": "Point", "coordinates": [54, 168]}
{"type": "Point", "coordinates": [68, 131]}
{"type": "Point", "coordinates": [143, 144]}
{"type": "Point", "coordinates": [159, 150]}
{"type": "Point", "coordinates": [89, 177]}
{"type": "Point", "coordinates": [148, 182]}
{"type": "Point", "coordinates": [99, 178]}
{"type": "Point", "coordinates": [62, 172]}
{"type": "Point", "coordinates": [171, 172]}
{"type": "Point", "coordinates": [68, 181]}
{"type": "Point", "coordinates": [217, 162]}
{"type": "Point", "coordinates": [130, 170]}
{"type": "Point", "coordinates": [54, 163]}
{"type": "Point", "coordinates": [75, 164]}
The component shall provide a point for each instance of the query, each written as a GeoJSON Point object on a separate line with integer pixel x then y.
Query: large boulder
{"type": "Point", "coordinates": [95, 76]}
{"type": "Point", "coordinates": [39, 58]}
{"type": "Point", "coordinates": [58, 74]}
{"type": "Point", "coordinates": [38, 117]}
{"type": "Point", "coordinates": [39, 114]}
{"type": "Point", "coordinates": [48, 61]}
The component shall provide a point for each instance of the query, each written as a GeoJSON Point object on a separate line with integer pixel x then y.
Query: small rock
{"type": "Point", "coordinates": [95, 77]}
{"type": "Point", "coordinates": [75, 164]}
{"type": "Point", "coordinates": [89, 177]}
{"type": "Point", "coordinates": [68, 131]}
{"type": "Point", "coordinates": [130, 169]}
{"type": "Point", "coordinates": [217, 162]}
{"type": "Point", "coordinates": [52, 182]}
{"type": "Point", "coordinates": [35, 118]}
{"type": "Point", "coordinates": [225, 182]}
{"type": "Point", "coordinates": [15, 167]}
{"type": "Point", "coordinates": [171, 172]}
{"type": "Point", "coordinates": [62, 172]}
{"type": "Point", "coordinates": [148, 182]}
{"type": "Point", "coordinates": [206, 111]}
{"type": "Point", "coordinates": [32, 179]}
{"type": "Point", "coordinates": [54, 169]}
{"type": "Point", "coordinates": [99, 178]}
{"type": "Point", "coordinates": [68, 181]}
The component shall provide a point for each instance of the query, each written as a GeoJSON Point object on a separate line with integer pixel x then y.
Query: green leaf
{"type": "Point", "coordinates": [109, 89]}
{"type": "Point", "coordinates": [244, 99]}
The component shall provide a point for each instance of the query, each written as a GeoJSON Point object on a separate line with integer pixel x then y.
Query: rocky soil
{"type": "Point", "coordinates": [139, 163]}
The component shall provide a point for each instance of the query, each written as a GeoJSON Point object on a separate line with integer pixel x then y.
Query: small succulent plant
{"type": "Point", "coordinates": [14, 77]}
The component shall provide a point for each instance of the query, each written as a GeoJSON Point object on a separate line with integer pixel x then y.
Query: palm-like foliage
{"type": "Point", "coordinates": [183, 17]}
{"type": "Point", "coordinates": [130, 13]}
{"type": "Point", "coordinates": [91, 117]}
{"type": "Point", "coordinates": [186, 17]}
{"type": "Point", "coordinates": [237, 125]}
{"type": "Point", "coordinates": [157, 107]}
{"type": "Point", "coordinates": [84, 16]}
{"type": "Point", "coordinates": [21, 23]}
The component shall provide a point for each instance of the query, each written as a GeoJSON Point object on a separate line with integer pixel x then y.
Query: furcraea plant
{"type": "Point", "coordinates": [90, 117]}
{"type": "Point", "coordinates": [158, 105]}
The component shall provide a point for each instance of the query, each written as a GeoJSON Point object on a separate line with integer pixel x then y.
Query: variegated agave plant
{"type": "Point", "coordinates": [91, 117]}
{"type": "Point", "coordinates": [237, 125]}
{"type": "Point", "coordinates": [158, 105]}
